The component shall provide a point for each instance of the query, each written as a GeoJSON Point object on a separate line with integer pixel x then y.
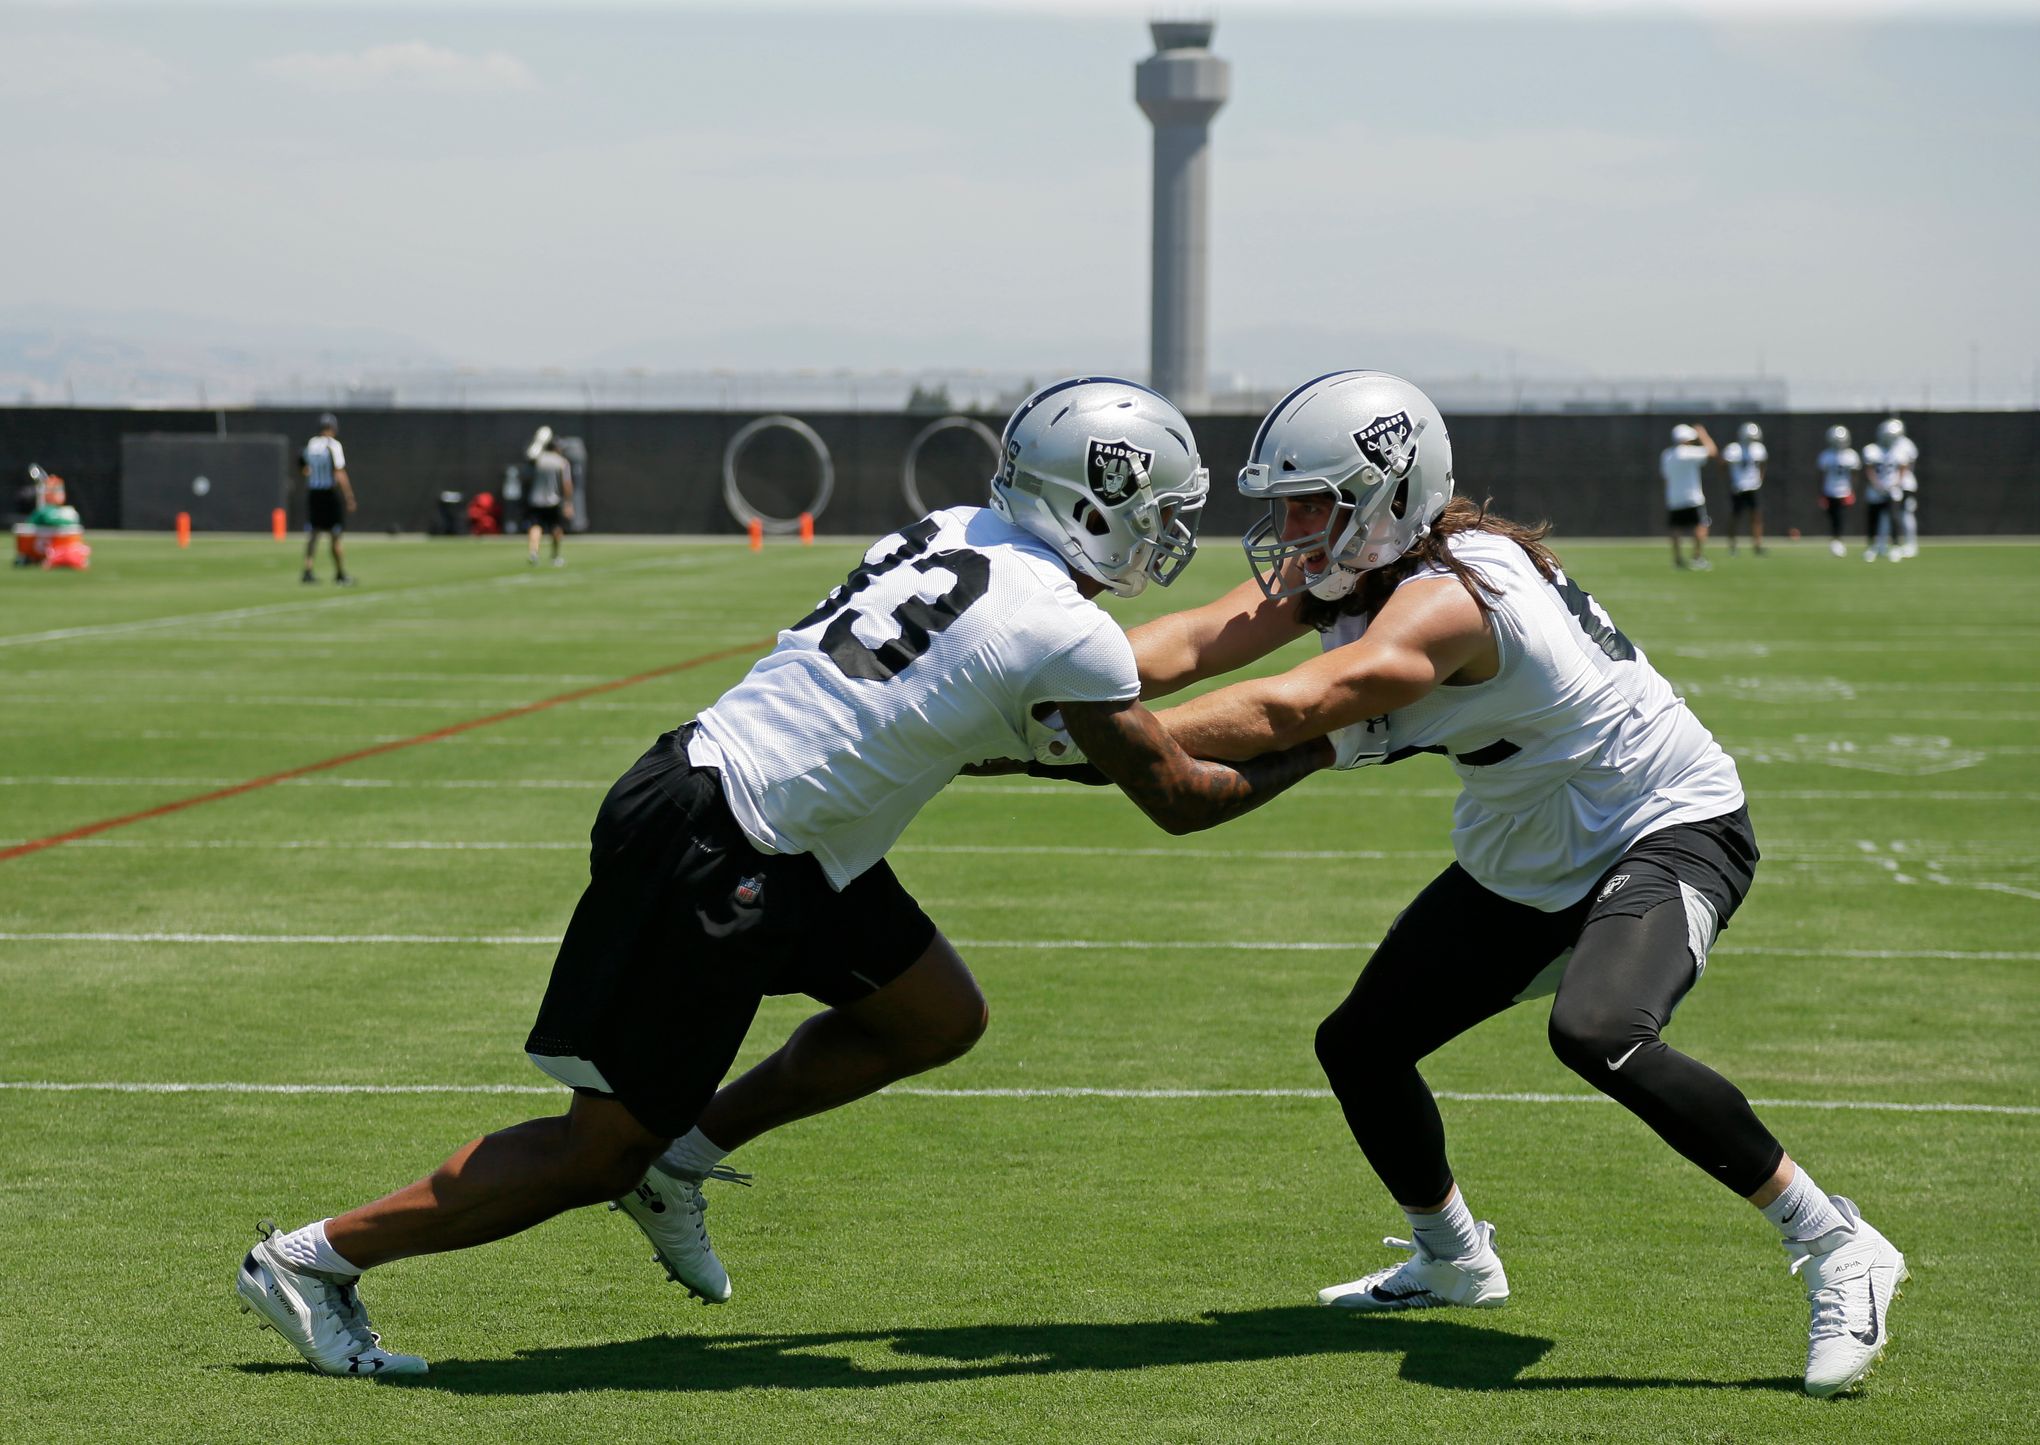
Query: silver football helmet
{"type": "Point", "coordinates": [1838, 437]}
{"type": "Point", "coordinates": [1371, 444]}
{"type": "Point", "coordinates": [1748, 433]}
{"type": "Point", "coordinates": [1684, 436]}
{"type": "Point", "coordinates": [1106, 472]}
{"type": "Point", "coordinates": [1889, 431]}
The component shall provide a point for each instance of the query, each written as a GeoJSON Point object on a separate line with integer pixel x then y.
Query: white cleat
{"type": "Point", "coordinates": [321, 1317]}
{"type": "Point", "coordinates": [1424, 1281]}
{"type": "Point", "coordinates": [669, 1210]}
{"type": "Point", "coordinates": [1837, 549]}
{"type": "Point", "coordinates": [1852, 1276]}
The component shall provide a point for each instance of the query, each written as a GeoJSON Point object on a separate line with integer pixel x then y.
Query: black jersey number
{"type": "Point", "coordinates": [917, 619]}
{"type": "Point", "coordinates": [1603, 634]}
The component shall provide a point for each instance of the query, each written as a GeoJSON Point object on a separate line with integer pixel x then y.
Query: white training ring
{"type": "Point", "coordinates": [908, 485]}
{"type": "Point", "coordinates": [733, 495]}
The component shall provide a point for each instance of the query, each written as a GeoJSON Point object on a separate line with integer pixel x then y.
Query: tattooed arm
{"type": "Point", "coordinates": [1129, 745]}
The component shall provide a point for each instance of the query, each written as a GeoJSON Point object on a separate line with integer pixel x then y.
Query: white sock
{"type": "Point", "coordinates": [691, 1156]}
{"type": "Point", "coordinates": [1448, 1234]}
{"type": "Point", "coordinates": [1803, 1211]}
{"type": "Point", "coordinates": [308, 1248]}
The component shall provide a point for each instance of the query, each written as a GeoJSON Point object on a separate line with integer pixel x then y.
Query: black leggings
{"type": "Point", "coordinates": [1460, 954]}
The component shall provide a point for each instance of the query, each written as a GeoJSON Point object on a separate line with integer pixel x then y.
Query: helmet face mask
{"type": "Point", "coordinates": [1106, 472]}
{"type": "Point", "coordinates": [1366, 449]}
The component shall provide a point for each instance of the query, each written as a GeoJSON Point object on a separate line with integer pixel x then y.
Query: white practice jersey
{"type": "Point", "coordinates": [1680, 466]}
{"type": "Point", "coordinates": [1878, 474]}
{"type": "Point", "coordinates": [930, 656]}
{"type": "Point", "coordinates": [1575, 749]}
{"type": "Point", "coordinates": [323, 457]}
{"type": "Point", "coordinates": [1838, 471]}
{"type": "Point", "coordinates": [1745, 462]}
{"type": "Point", "coordinates": [1893, 466]}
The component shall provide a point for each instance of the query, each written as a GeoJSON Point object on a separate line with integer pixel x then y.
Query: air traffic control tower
{"type": "Point", "coordinates": [1180, 88]}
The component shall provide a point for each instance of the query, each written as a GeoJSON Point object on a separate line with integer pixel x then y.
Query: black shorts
{"type": "Point", "coordinates": [684, 927]}
{"type": "Point", "coordinates": [1741, 502]}
{"type": "Point", "coordinates": [1679, 518]}
{"type": "Point", "coordinates": [1507, 951]}
{"type": "Point", "coordinates": [546, 517]}
{"type": "Point", "coordinates": [324, 510]}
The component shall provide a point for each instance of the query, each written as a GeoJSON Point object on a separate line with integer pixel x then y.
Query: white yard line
{"type": "Point", "coordinates": [966, 785]}
{"type": "Point", "coordinates": [364, 598]}
{"type": "Point", "coordinates": [38, 1086]}
{"type": "Point", "coordinates": [1037, 945]}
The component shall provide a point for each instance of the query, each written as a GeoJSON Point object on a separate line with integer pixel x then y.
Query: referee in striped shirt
{"type": "Point", "coordinates": [328, 497]}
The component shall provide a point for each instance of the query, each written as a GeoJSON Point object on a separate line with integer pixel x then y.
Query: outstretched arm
{"type": "Point", "coordinates": [1429, 632]}
{"type": "Point", "coordinates": [1209, 641]}
{"type": "Point", "coordinates": [1128, 744]}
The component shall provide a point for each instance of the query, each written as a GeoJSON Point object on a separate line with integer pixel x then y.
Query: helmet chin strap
{"type": "Point", "coordinates": [1337, 583]}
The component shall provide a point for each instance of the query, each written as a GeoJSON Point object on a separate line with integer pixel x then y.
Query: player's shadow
{"type": "Point", "coordinates": [1440, 1352]}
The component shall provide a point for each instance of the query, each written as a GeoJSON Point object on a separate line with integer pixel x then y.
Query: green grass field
{"type": "Point", "coordinates": [1025, 1264]}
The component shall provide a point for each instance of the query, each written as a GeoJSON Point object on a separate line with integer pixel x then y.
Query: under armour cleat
{"type": "Point", "coordinates": [320, 1316]}
{"type": "Point", "coordinates": [669, 1210]}
{"type": "Point", "coordinates": [1852, 1275]}
{"type": "Point", "coordinates": [1424, 1281]}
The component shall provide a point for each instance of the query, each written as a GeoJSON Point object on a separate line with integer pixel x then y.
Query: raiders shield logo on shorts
{"type": "Point", "coordinates": [1115, 470]}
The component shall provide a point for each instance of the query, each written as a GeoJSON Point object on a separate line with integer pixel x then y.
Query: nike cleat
{"type": "Point", "coordinates": [1424, 1281]}
{"type": "Point", "coordinates": [1852, 1275]}
{"type": "Point", "coordinates": [669, 1210]}
{"type": "Point", "coordinates": [320, 1316]}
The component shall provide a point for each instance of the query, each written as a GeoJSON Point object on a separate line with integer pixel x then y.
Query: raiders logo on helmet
{"type": "Point", "coordinates": [1115, 469]}
{"type": "Point", "coordinates": [1390, 442]}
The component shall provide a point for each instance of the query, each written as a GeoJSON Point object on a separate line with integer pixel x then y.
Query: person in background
{"type": "Point", "coordinates": [1881, 485]}
{"type": "Point", "coordinates": [1838, 467]}
{"type": "Point", "coordinates": [329, 496]}
{"type": "Point", "coordinates": [1898, 457]}
{"type": "Point", "coordinates": [1685, 499]}
{"type": "Point", "coordinates": [549, 505]}
{"type": "Point", "coordinates": [1746, 457]}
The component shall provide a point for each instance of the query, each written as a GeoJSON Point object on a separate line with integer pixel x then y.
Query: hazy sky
{"type": "Point", "coordinates": [1850, 194]}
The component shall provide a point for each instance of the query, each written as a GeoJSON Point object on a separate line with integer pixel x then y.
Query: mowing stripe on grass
{"type": "Point", "coordinates": [292, 774]}
{"type": "Point", "coordinates": [1783, 855]}
{"type": "Point", "coordinates": [915, 1091]}
{"type": "Point", "coordinates": [1103, 945]}
{"type": "Point", "coordinates": [352, 599]}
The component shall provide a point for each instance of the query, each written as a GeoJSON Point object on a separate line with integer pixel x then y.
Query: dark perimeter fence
{"type": "Point", "coordinates": [665, 472]}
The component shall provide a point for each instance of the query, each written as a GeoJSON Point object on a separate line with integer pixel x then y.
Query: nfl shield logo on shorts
{"type": "Point", "coordinates": [1115, 469]}
{"type": "Point", "coordinates": [749, 890]}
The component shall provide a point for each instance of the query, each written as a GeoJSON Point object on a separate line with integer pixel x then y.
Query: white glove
{"type": "Point", "coordinates": [1051, 741]}
{"type": "Point", "coordinates": [1357, 745]}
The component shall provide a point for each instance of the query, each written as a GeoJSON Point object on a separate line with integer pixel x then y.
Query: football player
{"type": "Point", "coordinates": [1685, 499]}
{"type": "Point", "coordinates": [744, 855]}
{"type": "Point", "coordinates": [1746, 458]}
{"type": "Point", "coordinates": [1899, 458]}
{"type": "Point", "coordinates": [1887, 468]}
{"type": "Point", "coordinates": [1838, 467]}
{"type": "Point", "coordinates": [1601, 835]}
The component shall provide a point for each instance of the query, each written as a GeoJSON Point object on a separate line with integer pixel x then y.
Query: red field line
{"type": "Point", "coordinates": [20, 850]}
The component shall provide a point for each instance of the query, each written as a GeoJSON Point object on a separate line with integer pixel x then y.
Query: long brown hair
{"type": "Point", "coordinates": [1461, 514]}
